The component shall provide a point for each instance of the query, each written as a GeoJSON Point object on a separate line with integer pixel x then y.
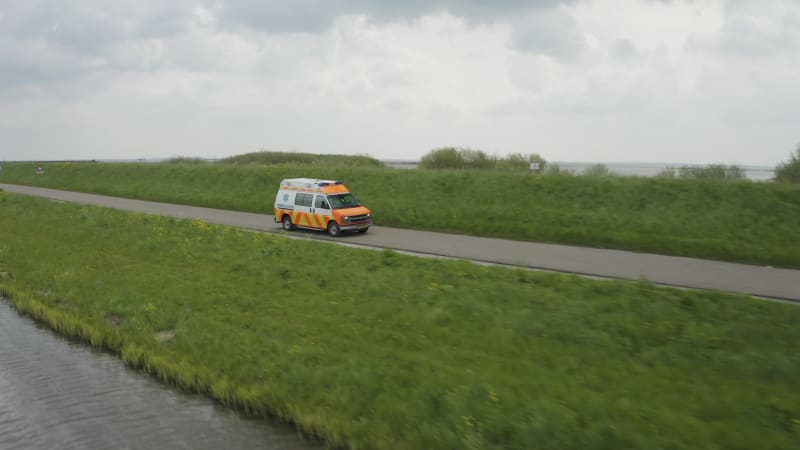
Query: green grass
{"type": "Point", "coordinates": [737, 221]}
{"type": "Point", "coordinates": [372, 349]}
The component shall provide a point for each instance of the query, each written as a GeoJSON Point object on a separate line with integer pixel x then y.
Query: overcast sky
{"type": "Point", "coordinates": [693, 81]}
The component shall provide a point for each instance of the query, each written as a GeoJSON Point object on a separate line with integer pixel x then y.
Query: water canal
{"type": "Point", "coordinates": [59, 394]}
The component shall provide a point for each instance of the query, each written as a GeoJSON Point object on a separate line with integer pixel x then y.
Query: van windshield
{"type": "Point", "coordinates": [339, 201]}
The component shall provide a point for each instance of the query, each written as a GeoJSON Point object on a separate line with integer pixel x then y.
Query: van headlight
{"type": "Point", "coordinates": [346, 218]}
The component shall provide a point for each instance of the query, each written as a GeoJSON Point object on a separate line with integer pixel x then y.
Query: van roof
{"type": "Point", "coordinates": [314, 185]}
{"type": "Point", "coordinates": [308, 183]}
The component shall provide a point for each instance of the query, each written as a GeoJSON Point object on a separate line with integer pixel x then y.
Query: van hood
{"type": "Point", "coordinates": [355, 211]}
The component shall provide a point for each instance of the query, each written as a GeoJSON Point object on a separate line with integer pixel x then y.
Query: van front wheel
{"type": "Point", "coordinates": [333, 229]}
{"type": "Point", "coordinates": [287, 223]}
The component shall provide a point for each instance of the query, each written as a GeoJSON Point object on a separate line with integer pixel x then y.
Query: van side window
{"type": "Point", "coordinates": [303, 199]}
{"type": "Point", "coordinates": [320, 202]}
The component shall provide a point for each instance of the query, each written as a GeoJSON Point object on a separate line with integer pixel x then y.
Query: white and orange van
{"type": "Point", "coordinates": [320, 205]}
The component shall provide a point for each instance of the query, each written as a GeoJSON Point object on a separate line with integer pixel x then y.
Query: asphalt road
{"type": "Point", "coordinates": [667, 270]}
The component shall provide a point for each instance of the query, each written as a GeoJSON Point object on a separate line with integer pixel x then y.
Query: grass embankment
{"type": "Point", "coordinates": [301, 158]}
{"type": "Point", "coordinates": [735, 221]}
{"type": "Point", "coordinates": [378, 350]}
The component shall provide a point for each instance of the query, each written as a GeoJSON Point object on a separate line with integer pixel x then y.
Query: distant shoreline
{"type": "Point", "coordinates": [641, 169]}
{"type": "Point", "coordinates": [755, 173]}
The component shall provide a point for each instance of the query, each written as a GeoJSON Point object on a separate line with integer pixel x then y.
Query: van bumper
{"type": "Point", "coordinates": [356, 226]}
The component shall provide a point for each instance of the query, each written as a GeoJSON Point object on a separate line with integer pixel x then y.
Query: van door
{"type": "Point", "coordinates": [322, 211]}
{"type": "Point", "coordinates": [302, 210]}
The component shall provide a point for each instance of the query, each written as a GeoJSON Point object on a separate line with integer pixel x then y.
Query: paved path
{"type": "Point", "coordinates": [667, 270]}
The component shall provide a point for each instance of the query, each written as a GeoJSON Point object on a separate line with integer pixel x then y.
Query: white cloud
{"type": "Point", "coordinates": [631, 80]}
{"type": "Point", "coordinates": [554, 33]}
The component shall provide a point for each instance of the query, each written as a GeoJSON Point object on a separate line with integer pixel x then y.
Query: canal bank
{"type": "Point", "coordinates": [58, 393]}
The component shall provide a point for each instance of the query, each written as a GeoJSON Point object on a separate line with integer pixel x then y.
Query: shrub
{"type": "Point", "coordinates": [709, 172]}
{"type": "Point", "coordinates": [789, 171]}
{"type": "Point", "coordinates": [667, 172]}
{"type": "Point", "coordinates": [476, 159]}
{"type": "Point", "coordinates": [537, 158]}
{"type": "Point", "coordinates": [514, 161]}
{"type": "Point", "coordinates": [461, 158]}
{"type": "Point", "coordinates": [443, 158]}
{"type": "Point", "coordinates": [597, 170]}
{"type": "Point", "coordinates": [712, 172]}
{"type": "Point", "coordinates": [555, 169]}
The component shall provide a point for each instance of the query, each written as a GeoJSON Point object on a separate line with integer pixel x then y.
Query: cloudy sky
{"type": "Point", "coordinates": [693, 81]}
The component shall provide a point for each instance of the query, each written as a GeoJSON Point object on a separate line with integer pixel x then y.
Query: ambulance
{"type": "Point", "coordinates": [320, 205]}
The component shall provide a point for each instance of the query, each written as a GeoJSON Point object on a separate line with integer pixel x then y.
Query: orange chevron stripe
{"type": "Point", "coordinates": [306, 219]}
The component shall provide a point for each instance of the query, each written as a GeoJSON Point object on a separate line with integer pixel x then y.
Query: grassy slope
{"type": "Point", "coordinates": [379, 350]}
{"type": "Point", "coordinates": [736, 221]}
{"type": "Point", "coordinates": [302, 158]}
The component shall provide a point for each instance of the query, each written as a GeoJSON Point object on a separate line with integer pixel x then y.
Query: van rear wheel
{"type": "Point", "coordinates": [287, 223]}
{"type": "Point", "coordinates": [333, 229]}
